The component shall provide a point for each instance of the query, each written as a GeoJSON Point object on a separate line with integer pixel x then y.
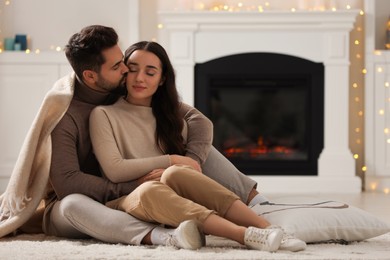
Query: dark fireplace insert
{"type": "Point", "coordinates": [267, 110]}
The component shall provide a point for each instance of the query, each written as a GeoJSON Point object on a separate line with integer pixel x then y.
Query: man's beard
{"type": "Point", "coordinates": [120, 90]}
{"type": "Point", "coordinates": [117, 89]}
{"type": "Point", "coordinates": [116, 93]}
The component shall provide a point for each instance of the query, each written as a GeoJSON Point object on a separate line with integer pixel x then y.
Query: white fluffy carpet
{"type": "Point", "coordinates": [43, 247]}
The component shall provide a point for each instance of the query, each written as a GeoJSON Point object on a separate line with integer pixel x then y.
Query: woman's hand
{"type": "Point", "coordinates": [154, 175]}
{"type": "Point", "coordinates": [179, 159]}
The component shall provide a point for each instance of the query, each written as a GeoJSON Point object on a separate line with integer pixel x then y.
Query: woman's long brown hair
{"type": "Point", "coordinates": [165, 102]}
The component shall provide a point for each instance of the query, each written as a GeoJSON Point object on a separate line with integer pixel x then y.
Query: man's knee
{"type": "Point", "coordinates": [71, 203]}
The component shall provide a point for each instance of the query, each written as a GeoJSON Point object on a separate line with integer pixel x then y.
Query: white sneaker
{"type": "Point", "coordinates": [292, 243]}
{"type": "Point", "coordinates": [289, 242]}
{"type": "Point", "coordinates": [187, 236]}
{"type": "Point", "coordinates": [263, 239]}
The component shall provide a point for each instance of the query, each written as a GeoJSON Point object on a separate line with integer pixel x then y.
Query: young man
{"type": "Point", "coordinates": [76, 208]}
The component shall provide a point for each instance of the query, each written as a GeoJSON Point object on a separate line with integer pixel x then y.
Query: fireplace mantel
{"type": "Point", "coordinates": [193, 37]}
{"type": "Point", "coordinates": [268, 20]}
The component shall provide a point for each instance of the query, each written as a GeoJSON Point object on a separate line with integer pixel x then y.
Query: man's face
{"type": "Point", "coordinates": [113, 72]}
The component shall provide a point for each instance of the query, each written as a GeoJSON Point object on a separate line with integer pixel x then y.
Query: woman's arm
{"type": "Point", "coordinates": [200, 133]}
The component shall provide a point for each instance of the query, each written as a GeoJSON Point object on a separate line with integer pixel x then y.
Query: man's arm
{"type": "Point", "coordinates": [200, 133]}
{"type": "Point", "coordinates": [66, 175]}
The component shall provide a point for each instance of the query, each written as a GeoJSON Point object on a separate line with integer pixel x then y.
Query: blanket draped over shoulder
{"type": "Point", "coordinates": [29, 179]}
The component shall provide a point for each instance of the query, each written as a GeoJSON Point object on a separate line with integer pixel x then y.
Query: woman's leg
{"type": "Point", "coordinates": [217, 226]}
{"type": "Point", "coordinates": [240, 214]}
{"type": "Point", "coordinates": [156, 202]}
{"type": "Point", "coordinates": [252, 237]}
{"type": "Point", "coordinates": [197, 187]}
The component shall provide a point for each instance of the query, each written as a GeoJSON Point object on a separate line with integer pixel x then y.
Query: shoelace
{"type": "Point", "coordinates": [171, 241]}
{"type": "Point", "coordinates": [260, 236]}
{"type": "Point", "coordinates": [286, 237]}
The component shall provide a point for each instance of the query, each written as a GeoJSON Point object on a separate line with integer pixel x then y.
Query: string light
{"type": "Point", "coordinates": [386, 130]}
{"type": "Point", "coordinates": [373, 186]}
{"type": "Point", "coordinates": [220, 6]}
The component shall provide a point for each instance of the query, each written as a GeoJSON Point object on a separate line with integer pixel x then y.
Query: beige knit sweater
{"type": "Point", "coordinates": [29, 180]}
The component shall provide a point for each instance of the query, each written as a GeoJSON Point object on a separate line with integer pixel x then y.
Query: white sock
{"type": "Point", "coordinates": [160, 235]}
{"type": "Point", "coordinates": [258, 199]}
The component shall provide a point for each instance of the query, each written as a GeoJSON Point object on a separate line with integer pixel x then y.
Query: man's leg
{"type": "Point", "coordinates": [220, 169]}
{"type": "Point", "coordinates": [78, 216]}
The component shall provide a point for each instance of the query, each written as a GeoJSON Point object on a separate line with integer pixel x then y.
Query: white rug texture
{"type": "Point", "coordinates": [43, 247]}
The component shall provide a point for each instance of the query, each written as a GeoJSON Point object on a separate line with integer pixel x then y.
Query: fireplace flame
{"type": "Point", "coordinates": [261, 150]}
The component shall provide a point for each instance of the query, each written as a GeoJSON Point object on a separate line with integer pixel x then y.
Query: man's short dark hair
{"type": "Point", "coordinates": [84, 49]}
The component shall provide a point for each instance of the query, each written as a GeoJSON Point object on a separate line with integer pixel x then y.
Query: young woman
{"type": "Point", "coordinates": [143, 134]}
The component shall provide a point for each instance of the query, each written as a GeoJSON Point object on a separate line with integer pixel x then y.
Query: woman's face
{"type": "Point", "coordinates": [143, 78]}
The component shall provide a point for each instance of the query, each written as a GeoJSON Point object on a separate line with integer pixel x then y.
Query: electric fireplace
{"type": "Point", "coordinates": [194, 38]}
{"type": "Point", "coordinates": [267, 111]}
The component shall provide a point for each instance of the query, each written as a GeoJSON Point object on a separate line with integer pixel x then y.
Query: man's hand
{"type": "Point", "coordinates": [154, 175]}
{"type": "Point", "coordinates": [178, 159]}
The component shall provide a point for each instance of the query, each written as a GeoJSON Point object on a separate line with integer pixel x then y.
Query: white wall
{"type": "Point", "coordinates": [51, 22]}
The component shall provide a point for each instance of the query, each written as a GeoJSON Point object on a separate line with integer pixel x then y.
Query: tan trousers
{"type": "Point", "coordinates": [182, 194]}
